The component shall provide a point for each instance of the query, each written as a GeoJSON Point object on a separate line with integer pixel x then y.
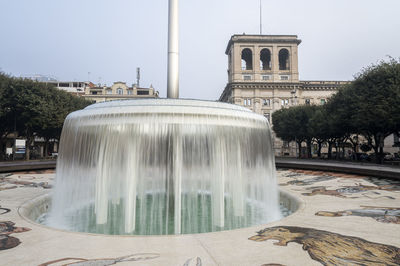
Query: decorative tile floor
{"type": "Point", "coordinates": [344, 220]}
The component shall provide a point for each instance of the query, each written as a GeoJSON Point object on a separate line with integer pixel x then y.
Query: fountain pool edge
{"type": "Point", "coordinates": [31, 209]}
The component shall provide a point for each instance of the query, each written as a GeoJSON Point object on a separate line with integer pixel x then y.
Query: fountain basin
{"type": "Point", "coordinates": [36, 209]}
{"type": "Point", "coordinates": [164, 166]}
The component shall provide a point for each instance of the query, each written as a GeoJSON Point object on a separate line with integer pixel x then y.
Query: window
{"type": "Point", "coordinates": [267, 102]}
{"type": "Point", "coordinates": [284, 59]}
{"type": "Point", "coordinates": [265, 59]}
{"type": "Point", "coordinates": [247, 102]}
{"type": "Point", "coordinates": [285, 102]}
{"type": "Point", "coordinates": [120, 91]}
{"type": "Point", "coordinates": [247, 59]}
{"type": "Point", "coordinates": [108, 91]}
{"type": "Point", "coordinates": [308, 101]}
{"type": "Point", "coordinates": [323, 101]}
{"type": "Point", "coordinates": [143, 92]}
{"type": "Point", "coordinates": [94, 92]}
{"type": "Point", "coordinates": [247, 77]}
{"type": "Point", "coordinates": [267, 116]}
{"type": "Point", "coordinates": [284, 77]}
{"type": "Point", "coordinates": [285, 144]}
{"type": "Point", "coordinates": [266, 77]}
{"type": "Point", "coordinates": [130, 92]}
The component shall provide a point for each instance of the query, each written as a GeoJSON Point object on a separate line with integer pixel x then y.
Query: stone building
{"type": "Point", "coordinates": [263, 76]}
{"type": "Point", "coordinates": [73, 87]}
{"type": "Point", "coordinates": [98, 93]}
{"type": "Point", "coordinates": [118, 91]}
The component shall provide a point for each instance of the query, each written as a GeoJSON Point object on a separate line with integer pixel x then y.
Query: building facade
{"type": "Point", "coordinates": [118, 91]}
{"type": "Point", "coordinates": [98, 93]}
{"type": "Point", "coordinates": [263, 76]}
{"type": "Point", "coordinates": [74, 87]}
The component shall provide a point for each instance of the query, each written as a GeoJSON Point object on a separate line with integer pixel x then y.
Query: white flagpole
{"type": "Point", "coordinates": [173, 50]}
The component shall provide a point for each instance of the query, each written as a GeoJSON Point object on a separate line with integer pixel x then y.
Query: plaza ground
{"type": "Point", "coordinates": [342, 219]}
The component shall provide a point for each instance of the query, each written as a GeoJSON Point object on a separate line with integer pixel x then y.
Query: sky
{"type": "Point", "coordinates": [68, 39]}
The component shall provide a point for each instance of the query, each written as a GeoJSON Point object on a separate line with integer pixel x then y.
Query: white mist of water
{"type": "Point", "coordinates": [164, 166]}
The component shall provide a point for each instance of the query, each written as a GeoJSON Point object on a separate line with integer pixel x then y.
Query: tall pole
{"type": "Point", "coordinates": [260, 18]}
{"type": "Point", "coordinates": [173, 50]}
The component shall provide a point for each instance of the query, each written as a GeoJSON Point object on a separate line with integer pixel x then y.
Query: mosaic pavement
{"type": "Point", "coordinates": [343, 220]}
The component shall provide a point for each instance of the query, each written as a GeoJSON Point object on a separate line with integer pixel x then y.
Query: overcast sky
{"type": "Point", "coordinates": [110, 38]}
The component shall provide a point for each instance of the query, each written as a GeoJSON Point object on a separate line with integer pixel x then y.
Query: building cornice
{"type": "Point", "coordinates": [301, 85]}
{"type": "Point", "coordinates": [284, 39]}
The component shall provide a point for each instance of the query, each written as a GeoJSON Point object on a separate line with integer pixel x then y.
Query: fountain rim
{"type": "Point", "coordinates": [173, 111]}
{"type": "Point", "coordinates": [167, 102]}
{"type": "Point", "coordinates": [300, 205]}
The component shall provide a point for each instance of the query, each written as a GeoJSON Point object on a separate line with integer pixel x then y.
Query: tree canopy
{"type": "Point", "coordinates": [369, 107]}
{"type": "Point", "coordinates": [33, 109]}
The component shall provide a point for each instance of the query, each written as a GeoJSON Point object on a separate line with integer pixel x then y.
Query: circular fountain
{"type": "Point", "coordinates": [164, 166]}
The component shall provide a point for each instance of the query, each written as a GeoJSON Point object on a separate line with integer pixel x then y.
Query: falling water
{"type": "Point", "coordinates": [164, 166]}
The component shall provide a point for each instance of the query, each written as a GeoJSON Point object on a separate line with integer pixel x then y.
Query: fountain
{"type": "Point", "coordinates": [164, 166]}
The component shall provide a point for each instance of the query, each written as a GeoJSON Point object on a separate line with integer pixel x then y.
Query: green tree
{"type": "Point", "coordinates": [34, 109]}
{"type": "Point", "coordinates": [60, 104]}
{"type": "Point", "coordinates": [319, 127]}
{"type": "Point", "coordinates": [340, 112]}
{"type": "Point", "coordinates": [6, 111]}
{"type": "Point", "coordinates": [292, 124]}
{"type": "Point", "coordinates": [376, 111]}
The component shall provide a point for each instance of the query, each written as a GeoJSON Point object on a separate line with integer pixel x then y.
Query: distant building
{"type": "Point", "coordinates": [98, 93]}
{"type": "Point", "coordinates": [75, 87]}
{"type": "Point", "coordinates": [118, 91]}
{"type": "Point", "coordinates": [40, 78]}
{"type": "Point", "coordinates": [263, 76]}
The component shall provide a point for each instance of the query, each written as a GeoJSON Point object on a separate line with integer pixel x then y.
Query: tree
{"type": "Point", "coordinates": [376, 112]}
{"type": "Point", "coordinates": [320, 127]}
{"type": "Point", "coordinates": [340, 111]}
{"type": "Point", "coordinates": [34, 109]}
{"type": "Point", "coordinates": [5, 111]}
{"type": "Point", "coordinates": [292, 124]}
{"type": "Point", "coordinates": [60, 104]}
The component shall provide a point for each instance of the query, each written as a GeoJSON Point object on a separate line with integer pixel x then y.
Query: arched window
{"type": "Point", "coordinates": [284, 63]}
{"type": "Point", "coordinates": [265, 59]}
{"type": "Point", "coordinates": [120, 91]}
{"type": "Point", "coordinates": [247, 59]}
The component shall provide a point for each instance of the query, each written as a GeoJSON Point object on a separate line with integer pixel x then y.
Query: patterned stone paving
{"type": "Point", "coordinates": [343, 220]}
